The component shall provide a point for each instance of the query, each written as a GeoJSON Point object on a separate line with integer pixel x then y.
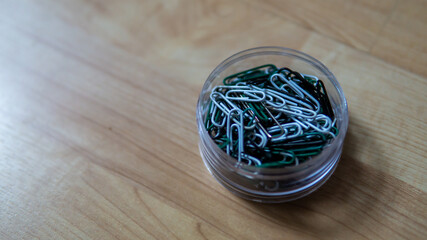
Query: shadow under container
{"type": "Point", "coordinates": [272, 185]}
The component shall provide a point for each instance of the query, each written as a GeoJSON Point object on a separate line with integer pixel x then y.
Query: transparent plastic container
{"type": "Point", "coordinates": [272, 185]}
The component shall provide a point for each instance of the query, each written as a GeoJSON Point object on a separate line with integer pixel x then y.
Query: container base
{"type": "Point", "coordinates": [280, 197]}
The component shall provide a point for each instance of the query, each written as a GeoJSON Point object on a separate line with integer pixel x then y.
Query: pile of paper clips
{"type": "Point", "coordinates": [270, 117]}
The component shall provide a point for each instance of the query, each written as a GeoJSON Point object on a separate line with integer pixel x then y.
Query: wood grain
{"type": "Point", "coordinates": [356, 23]}
{"type": "Point", "coordinates": [98, 138]}
{"type": "Point", "coordinates": [402, 39]}
{"type": "Point", "coordinates": [392, 30]}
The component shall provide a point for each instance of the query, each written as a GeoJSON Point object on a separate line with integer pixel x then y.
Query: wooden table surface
{"type": "Point", "coordinates": [98, 137]}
